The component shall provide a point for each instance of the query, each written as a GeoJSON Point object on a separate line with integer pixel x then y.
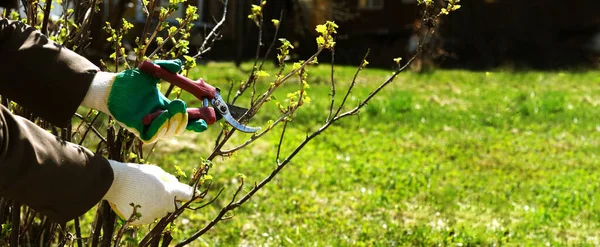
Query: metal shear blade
{"type": "Point", "coordinates": [221, 107]}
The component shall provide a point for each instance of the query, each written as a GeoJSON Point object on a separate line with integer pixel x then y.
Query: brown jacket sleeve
{"type": "Point", "coordinates": [40, 75]}
{"type": "Point", "coordinates": [56, 178]}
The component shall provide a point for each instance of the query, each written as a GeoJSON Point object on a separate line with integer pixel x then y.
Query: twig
{"type": "Point", "coordinates": [121, 231]}
{"type": "Point", "coordinates": [66, 17]}
{"type": "Point", "coordinates": [117, 52]}
{"type": "Point", "coordinates": [265, 56]}
{"type": "Point", "coordinates": [272, 42]}
{"type": "Point", "coordinates": [237, 191]}
{"type": "Point", "coordinates": [108, 225]}
{"type": "Point", "coordinates": [15, 223]}
{"type": "Point", "coordinates": [78, 232]}
{"type": "Point", "coordinates": [52, 231]}
{"type": "Point", "coordinates": [91, 127]}
{"type": "Point", "coordinates": [45, 225]}
{"type": "Point", "coordinates": [167, 238]}
{"type": "Point", "coordinates": [91, 17]}
{"type": "Point", "coordinates": [332, 83]}
{"type": "Point", "coordinates": [169, 37]}
{"type": "Point", "coordinates": [80, 40]}
{"type": "Point", "coordinates": [65, 236]}
{"type": "Point", "coordinates": [360, 67]}
{"type": "Point", "coordinates": [81, 122]}
{"type": "Point", "coordinates": [160, 226]}
{"type": "Point", "coordinates": [278, 81]}
{"type": "Point", "coordinates": [46, 17]}
{"type": "Point", "coordinates": [280, 142]}
{"type": "Point", "coordinates": [213, 33]}
{"type": "Point", "coordinates": [252, 77]}
{"type": "Point", "coordinates": [147, 24]}
{"type": "Point", "coordinates": [209, 202]}
{"type": "Point", "coordinates": [213, 222]}
{"type": "Point", "coordinates": [29, 217]}
{"type": "Point", "coordinates": [3, 204]}
{"type": "Point", "coordinates": [389, 80]}
{"type": "Point", "coordinates": [96, 226]}
{"type": "Point", "coordinates": [255, 137]}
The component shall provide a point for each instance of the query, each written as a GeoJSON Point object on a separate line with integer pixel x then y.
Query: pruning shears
{"type": "Point", "coordinates": [204, 92]}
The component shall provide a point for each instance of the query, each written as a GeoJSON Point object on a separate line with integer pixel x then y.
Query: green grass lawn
{"type": "Point", "coordinates": [455, 158]}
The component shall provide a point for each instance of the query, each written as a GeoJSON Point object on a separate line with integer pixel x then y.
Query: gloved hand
{"type": "Point", "coordinates": [154, 190]}
{"type": "Point", "coordinates": [131, 94]}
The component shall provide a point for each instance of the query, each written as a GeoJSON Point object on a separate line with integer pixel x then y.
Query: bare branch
{"type": "Point", "coordinates": [149, 16]}
{"type": "Point", "coordinates": [134, 216]}
{"type": "Point", "coordinates": [279, 81]}
{"type": "Point", "coordinates": [46, 17]}
{"type": "Point", "coordinates": [212, 36]}
{"type": "Point", "coordinates": [388, 81]}
{"type": "Point", "coordinates": [360, 67]}
{"type": "Point", "coordinates": [280, 142]}
{"type": "Point", "coordinates": [209, 202]}
{"type": "Point", "coordinates": [169, 37]}
{"type": "Point", "coordinates": [222, 213]}
{"type": "Point", "coordinates": [275, 35]}
{"type": "Point", "coordinates": [90, 126]}
{"type": "Point", "coordinates": [237, 191]}
{"type": "Point", "coordinates": [264, 57]}
{"type": "Point", "coordinates": [255, 137]}
{"type": "Point", "coordinates": [78, 232]}
{"type": "Point", "coordinates": [332, 84]}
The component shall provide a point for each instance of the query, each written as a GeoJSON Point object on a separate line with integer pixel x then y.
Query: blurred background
{"type": "Point", "coordinates": [538, 34]}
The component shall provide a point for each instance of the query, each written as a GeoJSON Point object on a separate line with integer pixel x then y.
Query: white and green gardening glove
{"type": "Point", "coordinates": [130, 95]}
{"type": "Point", "coordinates": [154, 190]}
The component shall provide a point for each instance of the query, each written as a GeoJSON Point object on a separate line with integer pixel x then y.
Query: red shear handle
{"type": "Point", "coordinates": [206, 113]}
{"type": "Point", "coordinates": [197, 88]}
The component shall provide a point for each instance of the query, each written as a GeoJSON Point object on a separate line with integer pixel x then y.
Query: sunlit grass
{"type": "Point", "coordinates": [445, 157]}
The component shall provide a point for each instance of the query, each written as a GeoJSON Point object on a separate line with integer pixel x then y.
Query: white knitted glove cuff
{"type": "Point", "coordinates": [97, 95]}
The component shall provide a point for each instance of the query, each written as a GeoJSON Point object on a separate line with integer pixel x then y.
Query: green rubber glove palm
{"type": "Point", "coordinates": [131, 94]}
